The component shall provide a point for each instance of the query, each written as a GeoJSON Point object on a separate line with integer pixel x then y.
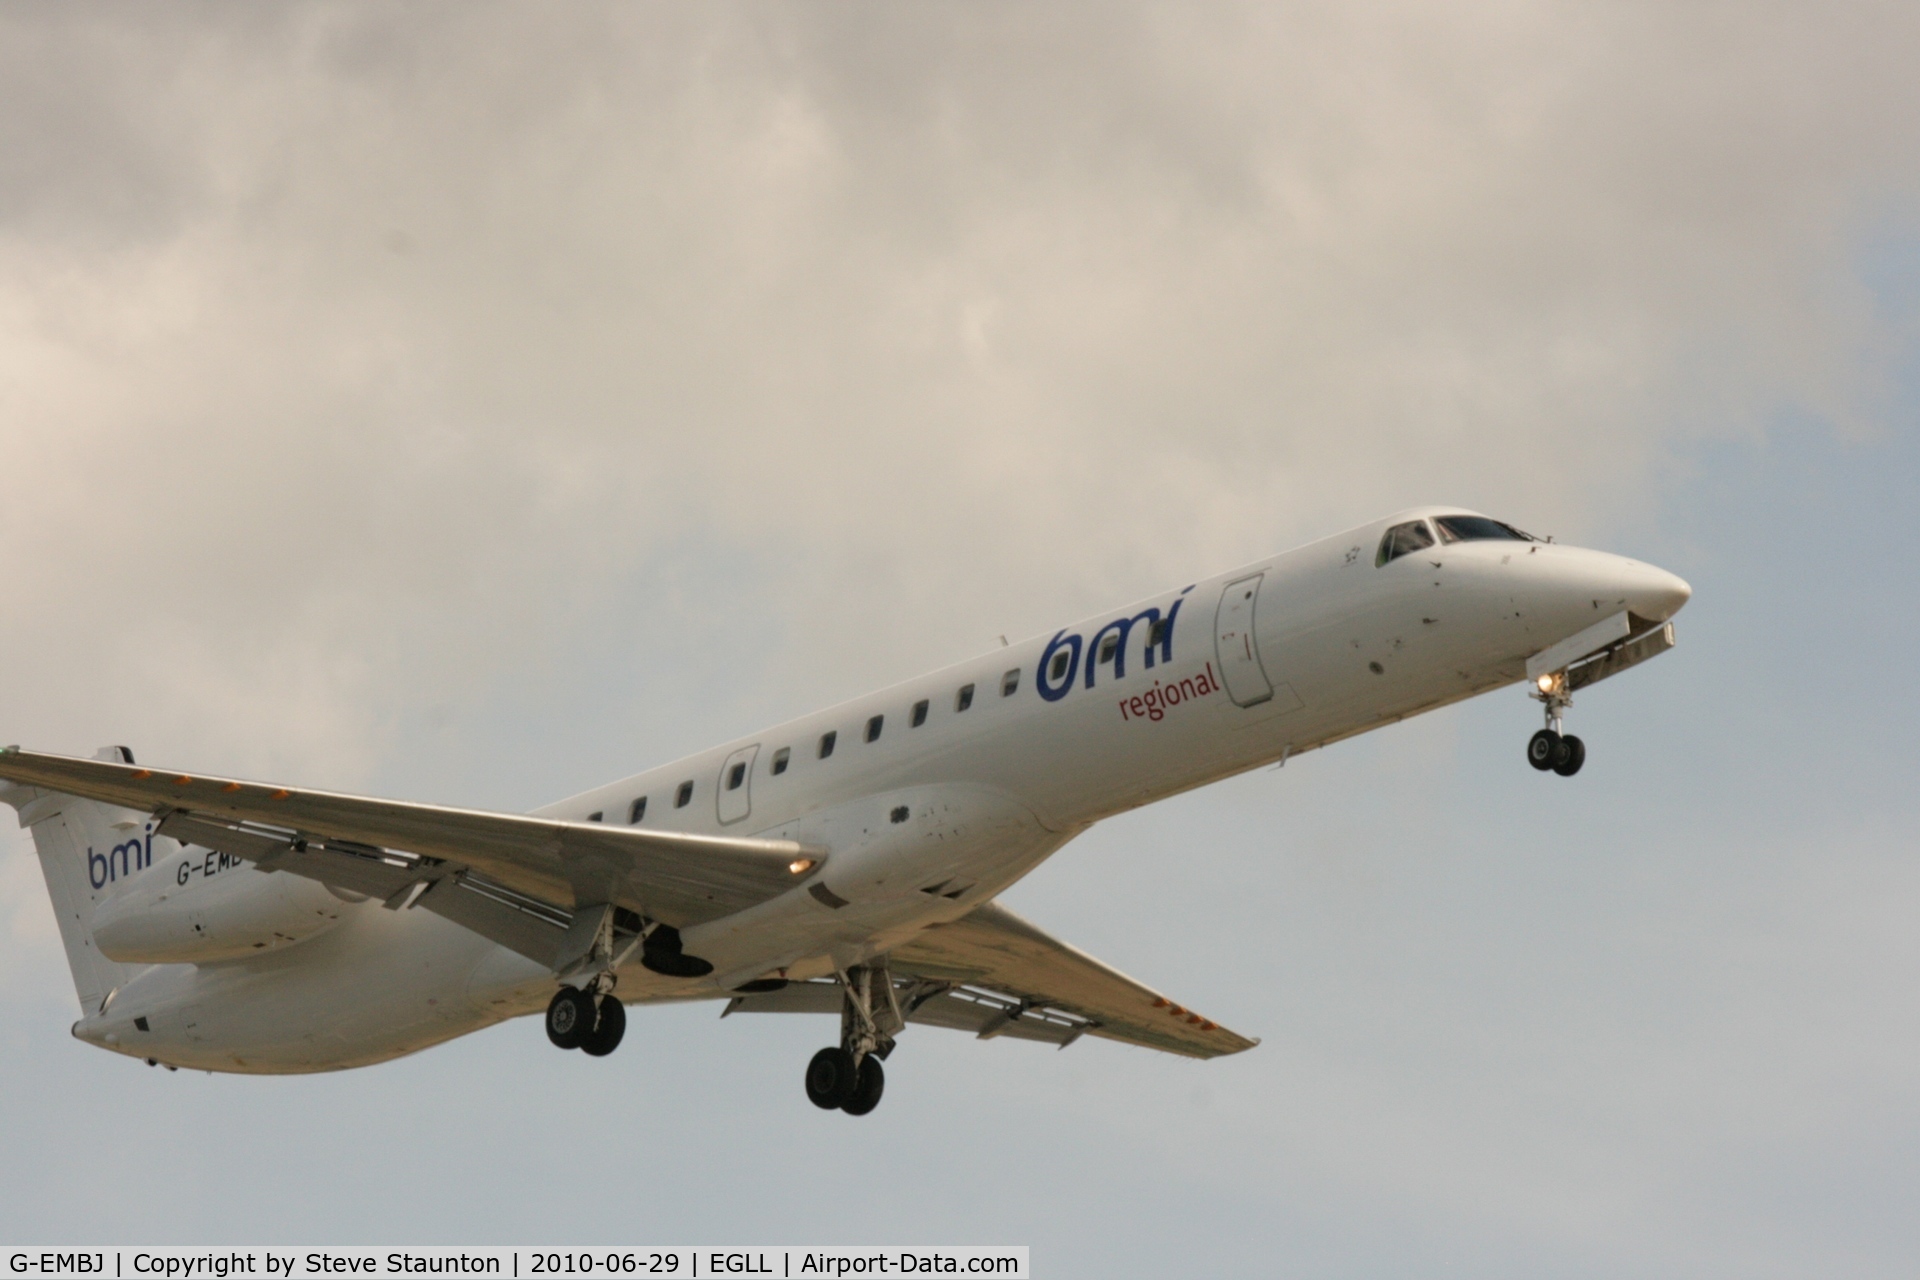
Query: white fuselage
{"type": "Point", "coordinates": [925, 821]}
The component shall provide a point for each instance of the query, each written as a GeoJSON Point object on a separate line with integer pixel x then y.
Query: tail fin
{"type": "Point", "coordinates": [86, 850]}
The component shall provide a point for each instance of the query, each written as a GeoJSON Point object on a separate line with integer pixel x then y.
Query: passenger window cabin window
{"type": "Point", "coordinates": [736, 775]}
{"type": "Point", "coordinates": [683, 795]}
{"type": "Point", "coordinates": [963, 699]}
{"type": "Point", "coordinates": [1107, 646]}
{"type": "Point", "coordinates": [597, 815]}
{"type": "Point", "coordinates": [637, 810]}
{"type": "Point", "coordinates": [919, 713]}
{"type": "Point", "coordinates": [780, 758]}
{"type": "Point", "coordinates": [1156, 632]}
{"type": "Point", "coordinates": [1060, 660]}
{"type": "Point", "coordinates": [873, 728]}
{"type": "Point", "coordinates": [1404, 539]}
{"type": "Point", "coordinates": [1009, 683]}
{"type": "Point", "coordinates": [827, 740]}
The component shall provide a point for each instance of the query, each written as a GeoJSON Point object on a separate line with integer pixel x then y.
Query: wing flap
{"type": "Point", "coordinates": [956, 1008]}
{"type": "Point", "coordinates": [995, 949]}
{"type": "Point", "coordinates": [519, 924]}
{"type": "Point", "coordinates": [994, 974]}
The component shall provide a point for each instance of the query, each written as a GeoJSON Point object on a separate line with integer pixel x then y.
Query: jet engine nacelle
{"type": "Point", "coordinates": [197, 906]}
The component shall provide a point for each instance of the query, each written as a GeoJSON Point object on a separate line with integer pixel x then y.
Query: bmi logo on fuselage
{"type": "Point", "coordinates": [1061, 661]}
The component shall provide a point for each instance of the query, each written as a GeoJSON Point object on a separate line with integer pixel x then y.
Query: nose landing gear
{"type": "Point", "coordinates": [1550, 748]}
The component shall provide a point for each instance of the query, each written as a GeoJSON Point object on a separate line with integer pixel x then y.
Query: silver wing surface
{"type": "Point", "coordinates": [518, 880]}
{"type": "Point", "coordinates": [994, 974]}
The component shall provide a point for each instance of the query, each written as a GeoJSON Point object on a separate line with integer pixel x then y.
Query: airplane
{"type": "Point", "coordinates": [846, 862]}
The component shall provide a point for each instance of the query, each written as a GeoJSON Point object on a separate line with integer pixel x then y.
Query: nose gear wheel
{"type": "Point", "coordinates": [1542, 747]}
{"type": "Point", "coordinates": [1549, 748]}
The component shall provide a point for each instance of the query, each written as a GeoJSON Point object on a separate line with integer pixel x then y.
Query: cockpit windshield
{"type": "Point", "coordinates": [1403, 539]}
{"type": "Point", "coordinates": [1478, 529]}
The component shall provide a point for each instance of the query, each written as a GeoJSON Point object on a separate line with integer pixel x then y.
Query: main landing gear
{"type": "Point", "coordinates": [590, 1017]}
{"type": "Point", "coordinates": [836, 1083]}
{"type": "Point", "coordinates": [849, 1077]}
{"type": "Point", "coordinates": [1550, 749]}
{"type": "Point", "coordinates": [587, 1019]}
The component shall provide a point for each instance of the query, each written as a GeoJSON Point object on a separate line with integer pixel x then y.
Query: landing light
{"type": "Point", "coordinates": [800, 866]}
{"type": "Point", "coordinates": [1546, 683]}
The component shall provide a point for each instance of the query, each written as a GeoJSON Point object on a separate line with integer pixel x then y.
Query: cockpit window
{"type": "Point", "coordinates": [1478, 529]}
{"type": "Point", "coordinates": [1403, 539]}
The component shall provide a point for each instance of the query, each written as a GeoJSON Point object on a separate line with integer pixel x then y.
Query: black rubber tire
{"type": "Point", "coordinates": [1543, 749]}
{"type": "Point", "coordinates": [867, 1090]}
{"type": "Point", "coordinates": [1574, 755]}
{"type": "Point", "coordinates": [605, 1036]}
{"type": "Point", "coordinates": [569, 1017]}
{"type": "Point", "coordinates": [831, 1079]}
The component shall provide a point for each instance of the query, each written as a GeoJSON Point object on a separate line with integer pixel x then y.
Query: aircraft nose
{"type": "Point", "coordinates": [1655, 594]}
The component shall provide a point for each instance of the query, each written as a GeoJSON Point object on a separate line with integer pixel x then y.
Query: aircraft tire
{"type": "Point", "coordinates": [1572, 756]}
{"type": "Point", "coordinates": [867, 1089]}
{"type": "Point", "coordinates": [606, 1034]}
{"type": "Point", "coordinates": [569, 1017]}
{"type": "Point", "coordinates": [1543, 750]}
{"type": "Point", "coordinates": [831, 1079]}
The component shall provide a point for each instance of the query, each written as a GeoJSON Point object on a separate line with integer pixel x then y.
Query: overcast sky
{"type": "Point", "coordinates": [474, 403]}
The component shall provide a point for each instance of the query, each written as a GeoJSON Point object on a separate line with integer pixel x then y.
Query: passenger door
{"type": "Point", "coordinates": [1234, 644]}
{"type": "Point", "coordinates": [736, 784]}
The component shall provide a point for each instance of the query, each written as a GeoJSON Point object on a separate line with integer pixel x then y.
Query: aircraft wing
{"type": "Point", "coordinates": [994, 974]}
{"type": "Point", "coordinates": [528, 876]}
